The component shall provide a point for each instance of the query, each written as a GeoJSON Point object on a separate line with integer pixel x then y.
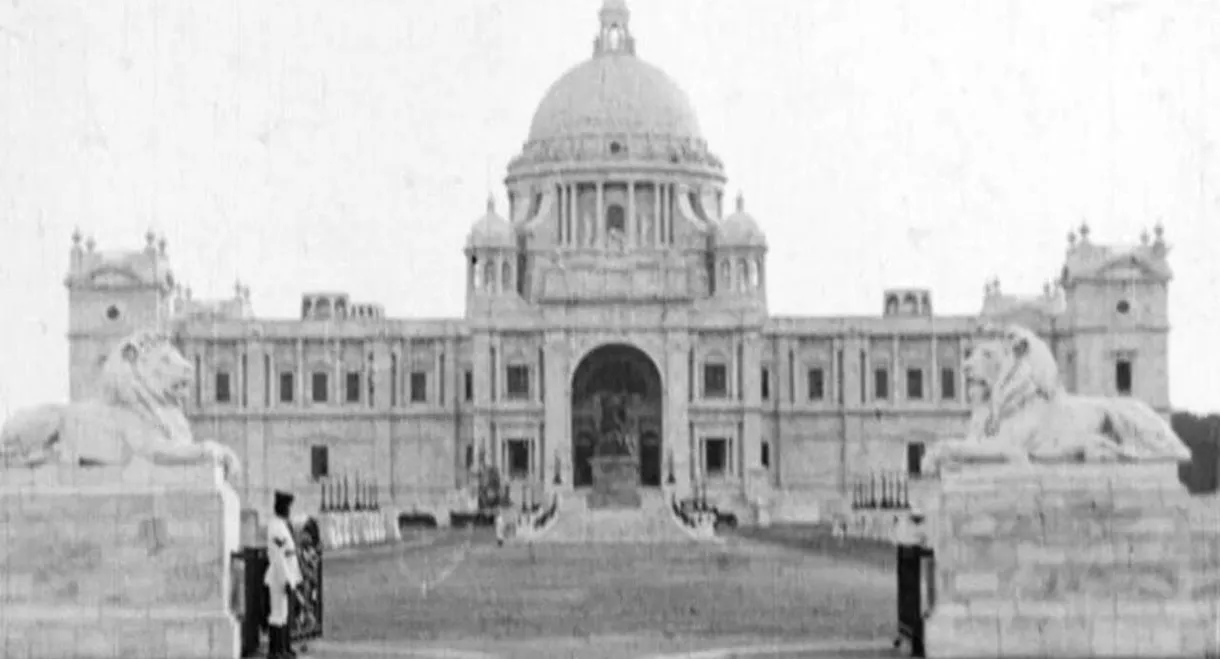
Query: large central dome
{"type": "Point", "coordinates": [614, 92]}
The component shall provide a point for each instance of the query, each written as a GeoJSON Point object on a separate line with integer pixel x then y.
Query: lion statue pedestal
{"type": "Point", "coordinates": [118, 526]}
{"type": "Point", "coordinates": [1059, 526]}
{"type": "Point", "coordinates": [97, 567]}
{"type": "Point", "coordinates": [1072, 560]}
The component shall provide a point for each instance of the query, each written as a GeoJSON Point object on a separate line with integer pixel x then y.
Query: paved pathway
{"type": "Point", "coordinates": [462, 597]}
{"type": "Point", "coordinates": [613, 647]}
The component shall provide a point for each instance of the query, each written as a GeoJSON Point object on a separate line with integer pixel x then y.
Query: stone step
{"type": "Point", "coordinates": [651, 522]}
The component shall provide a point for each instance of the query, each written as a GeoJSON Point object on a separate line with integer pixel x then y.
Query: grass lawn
{"type": "Point", "coordinates": [464, 588]}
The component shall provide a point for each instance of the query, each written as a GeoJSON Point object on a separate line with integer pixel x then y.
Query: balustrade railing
{"type": "Point", "coordinates": [882, 490]}
{"type": "Point", "coordinates": [349, 494]}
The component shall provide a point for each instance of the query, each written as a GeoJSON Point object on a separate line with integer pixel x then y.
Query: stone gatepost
{"type": "Point", "coordinates": [1073, 560]}
{"type": "Point", "coordinates": [98, 564]}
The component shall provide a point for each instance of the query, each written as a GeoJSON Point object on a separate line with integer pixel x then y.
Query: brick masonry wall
{"type": "Point", "coordinates": [1074, 561]}
{"type": "Point", "coordinates": [113, 571]}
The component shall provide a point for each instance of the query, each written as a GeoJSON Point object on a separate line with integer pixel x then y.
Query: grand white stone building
{"type": "Point", "coordinates": [619, 266]}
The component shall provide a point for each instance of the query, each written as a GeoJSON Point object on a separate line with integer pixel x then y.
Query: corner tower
{"type": "Point", "coordinates": [110, 295]}
{"type": "Point", "coordinates": [1117, 317]}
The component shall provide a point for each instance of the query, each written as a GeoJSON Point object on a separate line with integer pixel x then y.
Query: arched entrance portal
{"type": "Point", "coordinates": [616, 400]}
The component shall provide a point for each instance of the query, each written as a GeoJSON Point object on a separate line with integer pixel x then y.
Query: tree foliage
{"type": "Point", "coordinates": [1202, 435]}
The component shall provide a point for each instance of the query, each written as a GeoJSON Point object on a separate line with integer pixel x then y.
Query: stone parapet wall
{"type": "Point", "coordinates": [97, 568]}
{"type": "Point", "coordinates": [1073, 561]}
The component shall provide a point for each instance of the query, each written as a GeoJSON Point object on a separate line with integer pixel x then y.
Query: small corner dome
{"type": "Point", "coordinates": [491, 230]}
{"type": "Point", "coordinates": [740, 229]}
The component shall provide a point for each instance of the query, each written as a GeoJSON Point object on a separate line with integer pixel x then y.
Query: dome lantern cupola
{"type": "Point", "coordinates": [615, 38]}
{"type": "Point", "coordinates": [740, 248]}
{"type": "Point", "coordinates": [491, 231]}
{"type": "Point", "coordinates": [740, 229]}
{"type": "Point", "coordinates": [491, 251]}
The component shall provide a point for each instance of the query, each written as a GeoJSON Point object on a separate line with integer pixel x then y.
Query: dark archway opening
{"type": "Point", "coordinates": [617, 397]}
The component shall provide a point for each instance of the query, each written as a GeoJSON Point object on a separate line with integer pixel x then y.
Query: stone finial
{"type": "Point", "coordinates": [149, 238]}
{"type": "Point", "coordinates": [161, 245]}
{"type": "Point", "coordinates": [741, 202]}
{"type": "Point", "coordinates": [491, 203]}
{"type": "Point", "coordinates": [237, 288]}
{"type": "Point", "coordinates": [76, 237]}
{"type": "Point", "coordinates": [1159, 232]}
{"type": "Point", "coordinates": [1071, 239]}
{"type": "Point", "coordinates": [91, 243]}
{"type": "Point", "coordinates": [1144, 239]}
{"type": "Point", "coordinates": [1084, 232]}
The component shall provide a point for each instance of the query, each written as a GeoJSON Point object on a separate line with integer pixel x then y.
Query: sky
{"type": "Point", "coordinates": [319, 145]}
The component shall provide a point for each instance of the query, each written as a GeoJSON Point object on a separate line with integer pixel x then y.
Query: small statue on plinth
{"type": "Point", "coordinates": [618, 424]}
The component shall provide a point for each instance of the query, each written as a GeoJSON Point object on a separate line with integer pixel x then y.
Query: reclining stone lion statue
{"type": "Point", "coordinates": [1023, 414]}
{"type": "Point", "coordinates": [134, 417]}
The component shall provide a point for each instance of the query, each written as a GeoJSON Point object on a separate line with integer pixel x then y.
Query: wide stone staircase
{"type": "Point", "coordinates": [652, 522]}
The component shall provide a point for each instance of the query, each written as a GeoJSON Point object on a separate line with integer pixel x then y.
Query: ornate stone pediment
{"type": "Point", "coordinates": [1128, 267]}
{"type": "Point", "coordinates": [616, 279]}
{"type": "Point", "coordinates": [114, 278]}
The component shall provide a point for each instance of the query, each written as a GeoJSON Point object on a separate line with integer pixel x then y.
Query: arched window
{"type": "Point", "coordinates": [742, 276]}
{"type": "Point", "coordinates": [476, 273]}
{"type": "Point", "coordinates": [322, 307]}
{"type": "Point", "coordinates": [489, 276]}
{"type": "Point", "coordinates": [340, 309]}
{"type": "Point", "coordinates": [616, 219]}
{"type": "Point", "coordinates": [910, 304]}
{"type": "Point", "coordinates": [506, 277]}
{"type": "Point", "coordinates": [891, 305]}
{"type": "Point", "coordinates": [753, 274]}
{"type": "Point", "coordinates": [726, 276]}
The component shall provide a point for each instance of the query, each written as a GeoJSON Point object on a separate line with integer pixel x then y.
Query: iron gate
{"type": "Point", "coordinates": [253, 605]}
{"type": "Point", "coordinates": [916, 594]}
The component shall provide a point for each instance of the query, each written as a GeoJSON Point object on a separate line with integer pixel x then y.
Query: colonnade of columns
{"type": "Point", "coordinates": [742, 274]}
{"type": "Point", "coordinates": [492, 273]}
{"type": "Point", "coordinates": [643, 226]}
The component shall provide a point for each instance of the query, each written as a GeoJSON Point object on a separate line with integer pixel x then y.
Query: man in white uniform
{"type": "Point", "coordinates": [283, 577]}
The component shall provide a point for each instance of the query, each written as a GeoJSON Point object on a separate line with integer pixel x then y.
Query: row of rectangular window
{"type": "Point", "coordinates": [517, 386]}
{"type": "Point", "coordinates": [715, 383]}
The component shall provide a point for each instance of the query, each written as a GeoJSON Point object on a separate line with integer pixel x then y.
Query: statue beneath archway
{"type": "Point", "coordinates": [618, 423]}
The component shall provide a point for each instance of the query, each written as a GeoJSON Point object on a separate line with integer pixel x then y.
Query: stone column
{"type": "Point", "coordinates": [599, 216]}
{"type": "Point", "coordinates": [561, 235]}
{"type": "Point", "coordinates": [482, 369]}
{"type": "Point", "coordinates": [895, 364]}
{"type": "Point", "coordinates": [557, 409]}
{"type": "Point", "coordinates": [271, 375]}
{"type": "Point", "coordinates": [301, 373]}
{"type": "Point", "coordinates": [656, 214]}
{"type": "Point", "coordinates": [336, 360]}
{"type": "Point", "coordinates": [666, 211]}
{"type": "Point", "coordinates": [633, 224]}
{"type": "Point", "coordinates": [573, 219]}
{"type": "Point", "coordinates": [751, 381]}
{"type": "Point", "coordinates": [964, 394]}
{"type": "Point", "coordinates": [677, 419]}
{"type": "Point", "coordinates": [934, 376]}
{"type": "Point", "coordinates": [383, 425]}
